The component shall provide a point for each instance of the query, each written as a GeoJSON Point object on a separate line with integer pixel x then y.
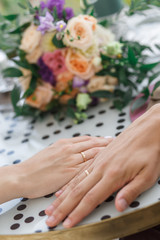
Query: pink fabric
{"type": "Point", "coordinates": [140, 111]}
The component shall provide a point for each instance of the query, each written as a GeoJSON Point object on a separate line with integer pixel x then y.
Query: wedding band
{"type": "Point", "coordinates": [86, 172]}
{"type": "Point", "coordinates": [83, 156]}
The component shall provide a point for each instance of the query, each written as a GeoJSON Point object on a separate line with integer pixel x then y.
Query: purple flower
{"type": "Point", "coordinates": [46, 73]}
{"type": "Point", "coordinates": [59, 4]}
{"type": "Point", "coordinates": [43, 5]}
{"type": "Point", "coordinates": [60, 26]}
{"type": "Point", "coordinates": [69, 13]}
{"type": "Point", "coordinates": [46, 23]}
{"type": "Point", "coordinates": [78, 82]}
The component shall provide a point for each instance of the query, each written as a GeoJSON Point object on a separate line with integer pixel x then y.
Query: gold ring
{"type": "Point", "coordinates": [83, 156]}
{"type": "Point", "coordinates": [86, 172]}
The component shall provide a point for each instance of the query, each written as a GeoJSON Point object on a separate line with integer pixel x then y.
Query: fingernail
{"type": "Point", "coordinates": [49, 210]}
{"type": "Point", "coordinates": [50, 221]}
{"type": "Point", "coordinates": [108, 137]}
{"type": "Point", "coordinates": [123, 204]}
{"type": "Point", "coordinates": [58, 193]}
{"type": "Point", "coordinates": [67, 223]}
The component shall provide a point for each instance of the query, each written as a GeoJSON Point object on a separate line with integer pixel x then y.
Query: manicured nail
{"type": "Point", "coordinates": [108, 137]}
{"type": "Point", "coordinates": [123, 204]}
{"type": "Point", "coordinates": [49, 210]}
{"type": "Point", "coordinates": [67, 223]}
{"type": "Point", "coordinates": [58, 193]}
{"type": "Point", "coordinates": [50, 221]}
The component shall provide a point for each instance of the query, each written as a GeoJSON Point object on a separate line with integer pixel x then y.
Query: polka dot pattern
{"type": "Point", "coordinates": [28, 216]}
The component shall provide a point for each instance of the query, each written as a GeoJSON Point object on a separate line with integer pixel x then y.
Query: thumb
{"type": "Point", "coordinates": [131, 191]}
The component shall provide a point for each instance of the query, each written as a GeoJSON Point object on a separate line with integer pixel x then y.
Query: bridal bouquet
{"type": "Point", "coordinates": [67, 63]}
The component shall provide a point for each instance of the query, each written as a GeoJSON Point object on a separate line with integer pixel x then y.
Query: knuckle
{"type": "Point", "coordinates": [89, 200]}
{"type": "Point", "coordinates": [76, 192]}
{"type": "Point", "coordinates": [61, 141]}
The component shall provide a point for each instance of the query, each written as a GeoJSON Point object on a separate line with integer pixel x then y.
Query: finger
{"type": "Point", "coordinates": [72, 200]}
{"type": "Point", "coordinates": [92, 143]}
{"type": "Point", "coordinates": [90, 201]}
{"type": "Point", "coordinates": [132, 190]}
{"type": "Point", "coordinates": [88, 155]}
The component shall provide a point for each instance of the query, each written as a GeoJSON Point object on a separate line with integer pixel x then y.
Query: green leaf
{"type": "Point", "coordinates": [11, 17]}
{"type": "Point", "coordinates": [22, 6]}
{"type": "Point", "coordinates": [70, 112]}
{"type": "Point", "coordinates": [32, 87]}
{"type": "Point", "coordinates": [12, 72]}
{"type": "Point", "coordinates": [15, 97]}
{"type": "Point", "coordinates": [139, 102]}
{"type": "Point", "coordinates": [131, 56]}
{"type": "Point", "coordinates": [20, 29]}
{"type": "Point", "coordinates": [148, 67]}
{"type": "Point", "coordinates": [58, 43]}
{"type": "Point", "coordinates": [23, 64]}
{"type": "Point", "coordinates": [157, 46]}
{"type": "Point", "coordinates": [153, 77]}
{"type": "Point", "coordinates": [155, 87]}
{"type": "Point", "coordinates": [146, 92]}
{"type": "Point", "coordinates": [102, 94]}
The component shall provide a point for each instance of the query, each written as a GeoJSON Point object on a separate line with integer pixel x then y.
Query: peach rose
{"type": "Point", "coordinates": [79, 33]}
{"type": "Point", "coordinates": [35, 55]}
{"type": "Point", "coordinates": [65, 98]}
{"type": "Point", "coordinates": [62, 81]}
{"type": "Point", "coordinates": [99, 83]}
{"type": "Point", "coordinates": [25, 79]}
{"type": "Point", "coordinates": [41, 97]}
{"type": "Point", "coordinates": [31, 39]}
{"type": "Point", "coordinates": [79, 65]}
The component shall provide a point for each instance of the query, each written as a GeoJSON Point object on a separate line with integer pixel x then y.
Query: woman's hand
{"type": "Point", "coordinates": [130, 163]}
{"type": "Point", "coordinates": [56, 165]}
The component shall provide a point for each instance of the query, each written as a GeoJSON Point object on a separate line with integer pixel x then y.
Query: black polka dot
{"type": "Point", "coordinates": [24, 199]}
{"type": "Point", "coordinates": [51, 228]}
{"type": "Point", "coordinates": [159, 181]}
{"type": "Point", "coordinates": [31, 127]}
{"type": "Point", "coordinates": [102, 111]}
{"type": "Point", "coordinates": [18, 216]}
{"type": "Point", "coordinates": [105, 217]}
{"type": "Point", "coordinates": [29, 220]}
{"type": "Point", "coordinates": [98, 206]}
{"type": "Point", "coordinates": [57, 132]}
{"type": "Point", "coordinates": [2, 151]}
{"type": "Point", "coordinates": [25, 140]}
{"type": "Point", "coordinates": [62, 119]}
{"type": "Point", "coordinates": [88, 134]}
{"type": "Point", "coordinates": [91, 117]}
{"type": "Point", "coordinates": [76, 135]}
{"type": "Point", "coordinates": [42, 213]}
{"type": "Point", "coordinates": [27, 134]}
{"type": "Point", "coordinates": [99, 124]}
{"type": "Point", "coordinates": [68, 126]}
{"type": "Point", "coordinates": [7, 138]}
{"type": "Point", "coordinates": [122, 114]}
{"type": "Point", "coordinates": [38, 231]}
{"type": "Point", "coordinates": [110, 199]}
{"type": "Point", "coordinates": [49, 195]}
{"type": "Point", "coordinates": [112, 107]}
{"type": "Point", "coordinates": [33, 121]}
{"type": "Point", "coordinates": [121, 120]}
{"type": "Point", "coordinates": [10, 153]}
{"type": "Point", "coordinates": [117, 134]}
{"type": "Point", "coordinates": [10, 132]}
{"type": "Point", "coordinates": [50, 124]}
{"type": "Point", "coordinates": [45, 137]}
{"type": "Point", "coordinates": [134, 204]}
{"type": "Point", "coordinates": [21, 207]}
{"type": "Point", "coordinates": [120, 127]}
{"type": "Point", "coordinates": [80, 122]}
{"type": "Point", "coordinates": [15, 226]}
{"type": "Point", "coordinates": [17, 161]}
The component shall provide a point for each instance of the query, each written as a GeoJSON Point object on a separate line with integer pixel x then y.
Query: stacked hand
{"type": "Point", "coordinates": [50, 169]}
{"type": "Point", "coordinates": [130, 163]}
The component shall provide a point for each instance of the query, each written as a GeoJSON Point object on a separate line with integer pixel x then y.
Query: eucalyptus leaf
{"type": "Point", "coordinates": [102, 94]}
{"type": "Point", "coordinates": [11, 17]}
{"type": "Point", "coordinates": [11, 72]}
{"type": "Point", "coordinates": [147, 67]}
{"type": "Point", "coordinates": [131, 56]}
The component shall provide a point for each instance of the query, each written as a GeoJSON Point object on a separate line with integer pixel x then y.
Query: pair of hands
{"type": "Point", "coordinates": [50, 169]}
{"type": "Point", "coordinates": [130, 163]}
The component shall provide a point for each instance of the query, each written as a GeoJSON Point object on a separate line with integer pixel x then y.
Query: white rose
{"type": "Point", "coordinates": [104, 36]}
